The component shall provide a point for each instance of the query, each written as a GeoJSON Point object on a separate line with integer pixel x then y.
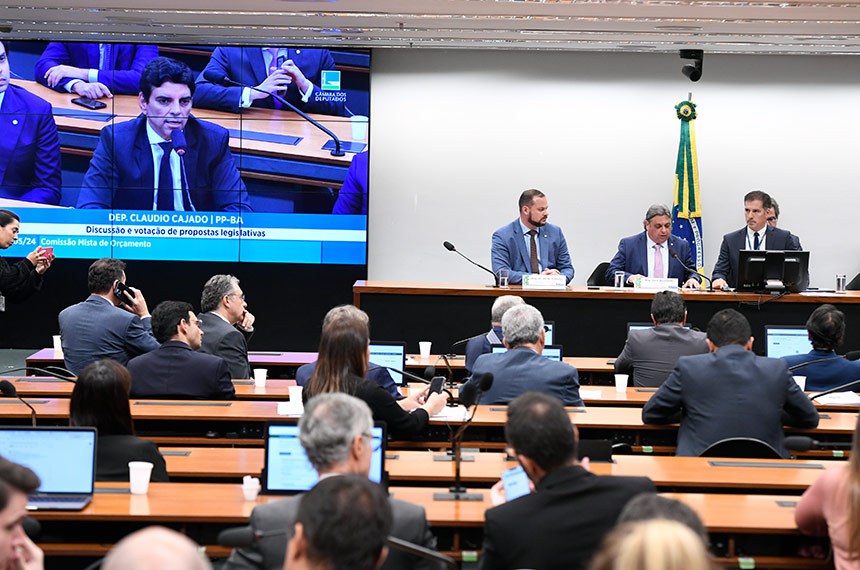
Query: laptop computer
{"type": "Point", "coordinates": [785, 340]}
{"type": "Point", "coordinates": [553, 352]}
{"type": "Point", "coordinates": [549, 328]}
{"type": "Point", "coordinates": [390, 354]}
{"type": "Point", "coordinates": [64, 458]}
{"type": "Point", "coordinates": [286, 467]}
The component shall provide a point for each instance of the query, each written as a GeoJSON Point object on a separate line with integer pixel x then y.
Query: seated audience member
{"type": "Point", "coordinates": [649, 254]}
{"type": "Point", "coordinates": [29, 145]}
{"type": "Point", "coordinates": [653, 545]}
{"type": "Point", "coordinates": [352, 196]}
{"type": "Point", "coordinates": [343, 522]}
{"type": "Point", "coordinates": [342, 367]}
{"type": "Point", "coordinates": [650, 506]}
{"type": "Point", "coordinates": [378, 374]}
{"type": "Point", "coordinates": [100, 400]}
{"type": "Point", "coordinates": [23, 278]}
{"type": "Point", "coordinates": [176, 370]}
{"type": "Point", "coordinates": [156, 547]}
{"type": "Point", "coordinates": [522, 368]}
{"type": "Point", "coordinates": [826, 326]}
{"type": "Point", "coordinates": [729, 392]}
{"type": "Point", "coordinates": [17, 551]}
{"type": "Point", "coordinates": [226, 323]}
{"type": "Point", "coordinates": [294, 74]}
{"type": "Point", "coordinates": [562, 523]}
{"type": "Point", "coordinates": [483, 344]}
{"type": "Point", "coordinates": [93, 70]}
{"type": "Point", "coordinates": [831, 507]}
{"type": "Point", "coordinates": [651, 354]}
{"type": "Point", "coordinates": [106, 325]}
{"type": "Point", "coordinates": [334, 433]}
{"type": "Point", "coordinates": [773, 221]}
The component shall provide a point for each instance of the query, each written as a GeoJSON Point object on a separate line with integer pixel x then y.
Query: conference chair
{"type": "Point", "coordinates": [742, 447]}
{"type": "Point", "coordinates": [598, 276]}
{"type": "Point", "coordinates": [854, 284]}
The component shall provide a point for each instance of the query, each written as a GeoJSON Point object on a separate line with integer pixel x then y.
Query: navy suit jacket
{"type": "Point", "coordinates": [29, 148]}
{"type": "Point", "coordinates": [482, 344]}
{"type": "Point", "coordinates": [122, 73]}
{"type": "Point", "coordinates": [95, 329]}
{"type": "Point", "coordinates": [121, 175]}
{"type": "Point", "coordinates": [824, 375]}
{"type": "Point", "coordinates": [375, 374]}
{"type": "Point", "coordinates": [176, 371]}
{"type": "Point", "coordinates": [521, 370]}
{"type": "Point", "coordinates": [632, 258]}
{"type": "Point", "coordinates": [727, 264]}
{"type": "Point", "coordinates": [509, 251]}
{"type": "Point", "coordinates": [247, 66]}
{"type": "Point", "coordinates": [730, 393]}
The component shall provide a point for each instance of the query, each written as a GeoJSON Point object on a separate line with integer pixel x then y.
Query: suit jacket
{"type": "Point", "coordinates": [375, 373]}
{"type": "Point", "coordinates": [824, 375]}
{"type": "Point", "coordinates": [223, 339]}
{"type": "Point", "coordinates": [247, 66]}
{"type": "Point", "coordinates": [29, 148]}
{"type": "Point", "coordinates": [352, 197]}
{"type": "Point", "coordinates": [559, 526]}
{"type": "Point", "coordinates": [113, 452]}
{"type": "Point", "coordinates": [121, 175]}
{"type": "Point", "coordinates": [20, 280]}
{"type": "Point", "coordinates": [521, 370]}
{"type": "Point", "coordinates": [176, 371]}
{"type": "Point", "coordinates": [121, 74]}
{"type": "Point", "coordinates": [652, 353]}
{"type": "Point", "coordinates": [730, 393]}
{"type": "Point", "coordinates": [632, 258]}
{"type": "Point", "coordinates": [95, 329]}
{"type": "Point", "coordinates": [509, 251]}
{"type": "Point", "coordinates": [409, 523]}
{"type": "Point", "coordinates": [482, 344]}
{"type": "Point", "coordinates": [727, 264]}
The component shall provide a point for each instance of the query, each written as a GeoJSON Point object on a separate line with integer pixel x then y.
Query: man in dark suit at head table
{"type": "Point", "coordinates": [226, 323]}
{"type": "Point", "coordinates": [176, 370]}
{"type": "Point", "coordinates": [773, 221]}
{"type": "Point", "coordinates": [562, 522]}
{"type": "Point", "coordinates": [651, 353]}
{"type": "Point", "coordinates": [730, 393]}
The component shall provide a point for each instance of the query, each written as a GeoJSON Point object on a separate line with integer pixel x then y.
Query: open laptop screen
{"type": "Point", "coordinates": [549, 327]}
{"type": "Point", "coordinates": [553, 352]}
{"type": "Point", "coordinates": [64, 458]}
{"type": "Point", "coordinates": [786, 340]}
{"type": "Point", "coordinates": [389, 354]}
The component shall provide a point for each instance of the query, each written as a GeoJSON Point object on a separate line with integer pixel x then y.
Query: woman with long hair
{"type": "Point", "coordinates": [19, 281]}
{"type": "Point", "coordinates": [831, 506]}
{"type": "Point", "coordinates": [100, 400]}
{"type": "Point", "coordinates": [656, 544]}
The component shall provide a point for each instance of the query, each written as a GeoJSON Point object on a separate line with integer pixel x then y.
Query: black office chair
{"type": "Point", "coordinates": [598, 276]}
{"type": "Point", "coordinates": [854, 284]}
{"type": "Point", "coordinates": [742, 447]}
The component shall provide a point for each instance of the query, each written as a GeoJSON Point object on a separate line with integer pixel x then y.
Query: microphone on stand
{"type": "Point", "coordinates": [180, 146]}
{"type": "Point", "coordinates": [46, 372]}
{"type": "Point", "coordinates": [805, 443]}
{"type": "Point", "coordinates": [219, 78]}
{"type": "Point", "coordinates": [851, 356]}
{"type": "Point", "coordinates": [842, 388]}
{"type": "Point", "coordinates": [7, 389]}
{"type": "Point", "coordinates": [450, 247]}
{"type": "Point", "coordinates": [674, 254]}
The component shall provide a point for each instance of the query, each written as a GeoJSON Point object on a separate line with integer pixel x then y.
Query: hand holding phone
{"type": "Point", "coordinates": [516, 483]}
{"type": "Point", "coordinates": [436, 384]}
{"type": "Point", "coordinates": [123, 293]}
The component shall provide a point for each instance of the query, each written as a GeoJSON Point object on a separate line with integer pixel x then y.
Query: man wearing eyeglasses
{"type": "Point", "coordinates": [226, 323]}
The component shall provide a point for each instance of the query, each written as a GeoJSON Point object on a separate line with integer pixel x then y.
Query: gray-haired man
{"type": "Point", "coordinates": [226, 323]}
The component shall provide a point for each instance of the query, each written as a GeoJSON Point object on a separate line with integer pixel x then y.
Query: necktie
{"type": "Point", "coordinates": [277, 61]}
{"type": "Point", "coordinates": [756, 242]}
{"type": "Point", "coordinates": [165, 179]}
{"type": "Point", "coordinates": [658, 260]}
{"type": "Point", "coordinates": [533, 256]}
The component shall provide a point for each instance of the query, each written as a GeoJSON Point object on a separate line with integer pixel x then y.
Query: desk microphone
{"type": "Point", "coordinates": [805, 443]}
{"type": "Point", "coordinates": [450, 247]}
{"type": "Point", "coordinates": [46, 371]}
{"type": "Point", "coordinates": [674, 254]}
{"type": "Point", "coordinates": [853, 355]}
{"type": "Point", "coordinates": [219, 78]}
{"type": "Point", "coordinates": [180, 146]}
{"type": "Point", "coordinates": [7, 389]}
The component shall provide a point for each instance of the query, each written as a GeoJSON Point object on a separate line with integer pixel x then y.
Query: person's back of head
{"type": "Point", "coordinates": [539, 428]}
{"type": "Point", "coordinates": [342, 356]}
{"type": "Point", "coordinates": [345, 313]}
{"type": "Point", "coordinates": [331, 428]}
{"type": "Point", "coordinates": [826, 326]}
{"type": "Point", "coordinates": [501, 306]}
{"type": "Point", "coordinates": [103, 273]}
{"type": "Point", "coordinates": [652, 545]}
{"type": "Point", "coordinates": [100, 398]}
{"type": "Point", "coordinates": [166, 320]}
{"type": "Point", "coordinates": [649, 506]}
{"type": "Point", "coordinates": [668, 307]}
{"type": "Point", "coordinates": [155, 547]}
{"type": "Point", "coordinates": [341, 524]}
{"type": "Point", "coordinates": [522, 324]}
{"type": "Point", "coordinates": [729, 327]}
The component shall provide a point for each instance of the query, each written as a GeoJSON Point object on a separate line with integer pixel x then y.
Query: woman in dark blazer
{"type": "Point", "coordinates": [22, 279]}
{"type": "Point", "coordinates": [100, 400]}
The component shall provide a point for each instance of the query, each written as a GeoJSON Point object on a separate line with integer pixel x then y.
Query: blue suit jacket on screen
{"type": "Point", "coordinates": [727, 264]}
{"type": "Point", "coordinates": [122, 174]}
{"type": "Point", "coordinates": [121, 74]}
{"type": "Point", "coordinates": [247, 66]}
{"type": "Point", "coordinates": [632, 258]}
{"type": "Point", "coordinates": [29, 148]}
{"type": "Point", "coordinates": [509, 251]}
{"type": "Point", "coordinates": [824, 375]}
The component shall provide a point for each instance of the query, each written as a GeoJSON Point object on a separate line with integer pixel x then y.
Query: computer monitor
{"type": "Point", "coordinates": [773, 271]}
{"type": "Point", "coordinates": [553, 352]}
{"type": "Point", "coordinates": [64, 458]}
{"type": "Point", "coordinates": [549, 329]}
{"type": "Point", "coordinates": [389, 354]}
{"type": "Point", "coordinates": [786, 340]}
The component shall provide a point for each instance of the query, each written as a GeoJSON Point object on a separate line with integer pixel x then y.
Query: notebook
{"type": "Point", "coordinates": [785, 340]}
{"type": "Point", "coordinates": [287, 469]}
{"type": "Point", "coordinates": [391, 355]}
{"type": "Point", "coordinates": [64, 458]}
{"type": "Point", "coordinates": [553, 352]}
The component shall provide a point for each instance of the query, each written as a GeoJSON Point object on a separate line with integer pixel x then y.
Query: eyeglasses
{"type": "Point", "coordinates": [242, 296]}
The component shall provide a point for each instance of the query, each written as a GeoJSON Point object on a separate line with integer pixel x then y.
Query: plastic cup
{"type": "Point", "coordinates": [58, 346]}
{"type": "Point", "coordinates": [424, 348]}
{"type": "Point", "coordinates": [260, 377]}
{"type": "Point", "coordinates": [251, 491]}
{"type": "Point", "coordinates": [359, 127]}
{"type": "Point", "coordinates": [621, 382]}
{"type": "Point", "coordinates": [138, 475]}
{"type": "Point", "coordinates": [295, 394]}
{"type": "Point", "coordinates": [801, 381]}
{"type": "Point", "coordinates": [619, 280]}
{"type": "Point", "coordinates": [504, 278]}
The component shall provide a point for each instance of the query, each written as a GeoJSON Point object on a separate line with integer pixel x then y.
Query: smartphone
{"type": "Point", "coordinates": [436, 384]}
{"type": "Point", "coordinates": [516, 483]}
{"type": "Point", "coordinates": [88, 103]}
{"type": "Point", "coordinates": [124, 293]}
{"type": "Point", "coordinates": [49, 253]}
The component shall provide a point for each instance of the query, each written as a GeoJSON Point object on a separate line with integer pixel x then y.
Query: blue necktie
{"type": "Point", "coordinates": [165, 179]}
{"type": "Point", "coordinates": [106, 53]}
{"type": "Point", "coordinates": [756, 242]}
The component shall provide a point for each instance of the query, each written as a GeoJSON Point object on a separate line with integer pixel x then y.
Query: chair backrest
{"type": "Point", "coordinates": [854, 284]}
{"type": "Point", "coordinates": [745, 447]}
{"type": "Point", "coordinates": [598, 276]}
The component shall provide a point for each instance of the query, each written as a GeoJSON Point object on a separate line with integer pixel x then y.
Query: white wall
{"type": "Point", "coordinates": [457, 135]}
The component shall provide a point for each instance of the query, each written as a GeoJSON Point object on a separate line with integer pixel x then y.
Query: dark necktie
{"type": "Point", "coordinates": [165, 179]}
{"type": "Point", "coordinates": [756, 242]}
{"type": "Point", "coordinates": [533, 256]}
{"type": "Point", "coordinates": [106, 55]}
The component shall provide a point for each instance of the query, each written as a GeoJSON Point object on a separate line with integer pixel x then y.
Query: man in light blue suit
{"type": "Point", "coordinates": [649, 254]}
{"type": "Point", "coordinates": [529, 244]}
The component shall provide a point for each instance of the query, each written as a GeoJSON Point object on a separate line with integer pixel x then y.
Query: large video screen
{"type": "Point", "coordinates": [195, 153]}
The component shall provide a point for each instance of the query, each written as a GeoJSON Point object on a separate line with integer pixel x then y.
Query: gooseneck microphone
{"type": "Point", "coordinates": [180, 146]}
{"type": "Point", "coordinates": [8, 390]}
{"type": "Point", "coordinates": [219, 78]}
{"type": "Point", "coordinates": [674, 254]}
{"type": "Point", "coordinates": [853, 355]}
{"type": "Point", "coordinates": [45, 371]}
{"type": "Point", "coordinates": [450, 247]}
{"type": "Point", "coordinates": [842, 388]}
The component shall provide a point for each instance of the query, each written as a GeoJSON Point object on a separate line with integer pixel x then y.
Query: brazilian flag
{"type": "Point", "coordinates": [687, 211]}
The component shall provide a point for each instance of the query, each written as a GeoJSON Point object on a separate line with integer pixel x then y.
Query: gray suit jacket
{"type": "Point", "coordinates": [521, 370]}
{"type": "Point", "coordinates": [409, 523]}
{"type": "Point", "coordinates": [652, 353]}
{"type": "Point", "coordinates": [223, 339]}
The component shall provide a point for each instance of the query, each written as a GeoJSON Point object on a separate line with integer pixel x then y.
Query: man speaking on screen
{"type": "Point", "coordinates": [165, 159]}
